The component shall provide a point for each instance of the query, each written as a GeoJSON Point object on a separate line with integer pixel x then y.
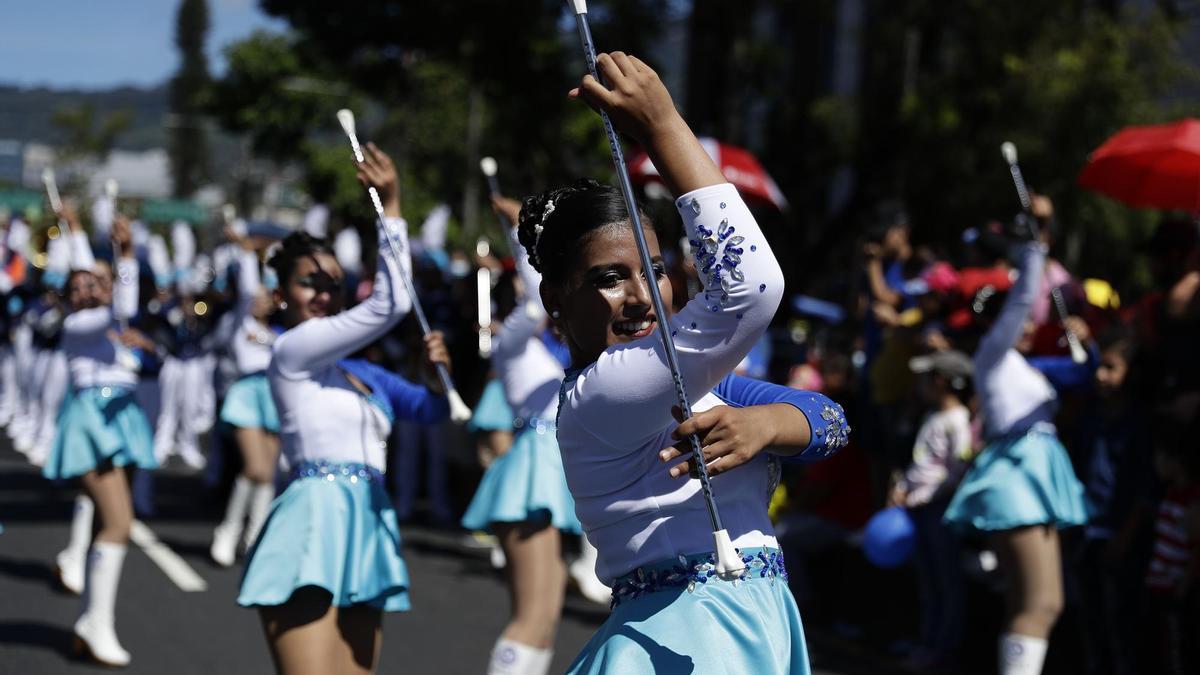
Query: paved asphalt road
{"type": "Point", "coordinates": [460, 603]}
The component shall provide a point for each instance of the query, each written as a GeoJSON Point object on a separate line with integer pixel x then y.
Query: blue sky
{"type": "Point", "coordinates": [96, 44]}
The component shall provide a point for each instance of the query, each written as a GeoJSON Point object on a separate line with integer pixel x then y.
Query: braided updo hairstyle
{"type": "Point", "coordinates": [295, 246]}
{"type": "Point", "coordinates": [566, 217]}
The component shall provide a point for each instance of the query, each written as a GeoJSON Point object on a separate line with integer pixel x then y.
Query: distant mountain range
{"type": "Point", "coordinates": [25, 113]}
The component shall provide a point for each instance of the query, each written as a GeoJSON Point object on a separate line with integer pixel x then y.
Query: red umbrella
{"type": "Point", "coordinates": [739, 166]}
{"type": "Point", "coordinates": [1156, 166]}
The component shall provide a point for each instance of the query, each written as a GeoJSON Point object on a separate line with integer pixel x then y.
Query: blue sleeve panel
{"type": "Point", "coordinates": [407, 401]}
{"type": "Point", "coordinates": [826, 419]}
{"type": "Point", "coordinates": [1065, 374]}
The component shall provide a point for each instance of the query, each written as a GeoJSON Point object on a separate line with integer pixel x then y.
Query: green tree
{"type": "Point", "coordinates": [189, 145]}
{"type": "Point", "coordinates": [86, 136]}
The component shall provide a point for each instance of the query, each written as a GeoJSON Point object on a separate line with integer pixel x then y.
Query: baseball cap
{"type": "Point", "coordinates": [952, 365]}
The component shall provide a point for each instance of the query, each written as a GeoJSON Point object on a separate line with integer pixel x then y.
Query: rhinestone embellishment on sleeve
{"type": "Point", "coordinates": [718, 255]}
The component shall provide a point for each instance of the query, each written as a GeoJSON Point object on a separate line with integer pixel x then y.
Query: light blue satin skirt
{"type": "Point", "coordinates": [248, 404]}
{"type": "Point", "coordinates": [1019, 481]}
{"type": "Point", "coordinates": [334, 528]}
{"type": "Point", "coordinates": [526, 483]}
{"type": "Point", "coordinates": [677, 617]}
{"type": "Point", "coordinates": [492, 413]}
{"type": "Point", "coordinates": [99, 425]}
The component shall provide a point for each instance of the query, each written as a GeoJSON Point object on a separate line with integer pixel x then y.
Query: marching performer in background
{"type": "Point", "coordinates": [101, 429]}
{"type": "Point", "coordinates": [249, 409]}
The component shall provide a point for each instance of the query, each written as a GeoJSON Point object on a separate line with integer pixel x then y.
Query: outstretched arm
{"type": "Point", "coordinates": [524, 321]}
{"type": "Point", "coordinates": [742, 281]}
{"type": "Point", "coordinates": [1005, 332]}
{"type": "Point", "coordinates": [320, 342]}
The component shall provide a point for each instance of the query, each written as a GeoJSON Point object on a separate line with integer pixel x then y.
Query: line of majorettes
{"type": "Point", "coordinates": [598, 448]}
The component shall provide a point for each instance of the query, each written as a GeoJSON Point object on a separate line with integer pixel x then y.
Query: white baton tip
{"type": "Point", "coordinates": [346, 119]}
{"type": "Point", "coordinates": [459, 412]}
{"type": "Point", "coordinates": [580, 6]}
{"type": "Point", "coordinates": [488, 166]}
{"type": "Point", "coordinates": [1078, 355]}
{"type": "Point", "coordinates": [1009, 150]}
{"type": "Point", "coordinates": [729, 563]}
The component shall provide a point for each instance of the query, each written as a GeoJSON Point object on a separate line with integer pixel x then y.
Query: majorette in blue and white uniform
{"type": "Point", "coordinates": [671, 614]}
{"type": "Point", "coordinates": [527, 482]}
{"type": "Point", "coordinates": [100, 421]}
{"type": "Point", "coordinates": [248, 405]}
{"type": "Point", "coordinates": [1024, 475]}
{"type": "Point", "coordinates": [248, 402]}
{"type": "Point", "coordinates": [333, 527]}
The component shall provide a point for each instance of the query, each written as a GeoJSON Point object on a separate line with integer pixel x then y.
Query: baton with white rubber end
{"type": "Point", "coordinates": [459, 412]}
{"type": "Point", "coordinates": [728, 562]}
{"type": "Point", "coordinates": [52, 190]}
{"type": "Point", "coordinates": [1009, 150]}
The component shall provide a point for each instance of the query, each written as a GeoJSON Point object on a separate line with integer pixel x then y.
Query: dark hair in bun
{"type": "Point", "coordinates": [295, 246]}
{"type": "Point", "coordinates": [567, 216]}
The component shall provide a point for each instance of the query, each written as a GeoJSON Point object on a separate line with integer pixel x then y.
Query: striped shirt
{"type": "Point", "coordinates": [1173, 548]}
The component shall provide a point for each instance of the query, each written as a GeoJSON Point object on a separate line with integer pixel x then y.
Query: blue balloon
{"type": "Point", "coordinates": [889, 537]}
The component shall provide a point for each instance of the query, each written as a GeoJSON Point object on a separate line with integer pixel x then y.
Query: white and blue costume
{"type": "Point", "coordinates": [248, 402]}
{"type": "Point", "coordinates": [671, 614]}
{"type": "Point", "coordinates": [527, 482]}
{"type": "Point", "coordinates": [333, 527]}
{"type": "Point", "coordinates": [1024, 476]}
{"type": "Point", "coordinates": [100, 421]}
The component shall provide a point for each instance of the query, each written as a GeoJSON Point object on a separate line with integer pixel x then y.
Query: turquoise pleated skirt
{"type": "Point", "coordinates": [492, 413]}
{"type": "Point", "coordinates": [526, 483]}
{"type": "Point", "coordinates": [1019, 481]}
{"type": "Point", "coordinates": [677, 617]}
{"type": "Point", "coordinates": [333, 528]}
{"type": "Point", "coordinates": [99, 425]}
{"type": "Point", "coordinates": [248, 404]}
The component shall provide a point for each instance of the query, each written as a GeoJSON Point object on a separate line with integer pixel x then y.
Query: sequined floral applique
{"type": "Point", "coordinates": [718, 252]}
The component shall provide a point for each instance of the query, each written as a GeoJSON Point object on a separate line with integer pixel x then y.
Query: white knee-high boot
{"type": "Point", "coordinates": [72, 560]}
{"type": "Point", "coordinates": [225, 537]}
{"type": "Point", "coordinates": [260, 506]}
{"type": "Point", "coordinates": [510, 657]}
{"type": "Point", "coordinates": [583, 573]}
{"type": "Point", "coordinates": [1021, 654]}
{"type": "Point", "coordinates": [95, 630]}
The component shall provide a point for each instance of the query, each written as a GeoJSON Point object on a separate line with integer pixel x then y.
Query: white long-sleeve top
{"type": "Point", "coordinates": [251, 341]}
{"type": "Point", "coordinates": [93, 358]}
{"type": "Point", "coordinates": [531, 375]}
{"type": "Point", "coordinates": [615, 414]}
{"type": "Point", "coordinates": [321, 415]}
{"type": "Point", "coordinates": [1013, 395]}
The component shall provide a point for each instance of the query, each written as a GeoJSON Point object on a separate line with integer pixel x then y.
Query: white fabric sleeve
{"type": "Point", "coordinates": [742, 285]}
{"type": "Point", "coordinates": [88, 323]}
{"type": "Point", "coordinates": [318, 343]}
{"type": "Point", "coordinates": [1009, 325]}
{"type": "Point", "coordinates": [529, 314]}
{"type": "Point", "coordinates": [80, 251]}
{"type": "Point", "coordinates": [248, 281]}
{"type": "Point", "coordinates": [125, 288]}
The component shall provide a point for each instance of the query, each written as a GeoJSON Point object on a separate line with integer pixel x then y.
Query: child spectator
{"type": "Point", "coordinates": [939, 457]}
{"type": "Point", "coordinates": [1173, 641]}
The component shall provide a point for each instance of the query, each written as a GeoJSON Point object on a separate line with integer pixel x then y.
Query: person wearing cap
{"type": "Point", "coordinates": [939, 459]}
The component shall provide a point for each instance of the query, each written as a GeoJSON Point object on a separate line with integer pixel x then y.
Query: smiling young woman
{"type": "Point", "coordinates": [327, 563]}
{"type": "Point", "coordinates": [622, 446]}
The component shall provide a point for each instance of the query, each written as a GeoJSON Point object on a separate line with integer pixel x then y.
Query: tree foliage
{"type": "Point", "coordinates": [84, 134]}
{"type": "Point", "coordinates": [189, 144]}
